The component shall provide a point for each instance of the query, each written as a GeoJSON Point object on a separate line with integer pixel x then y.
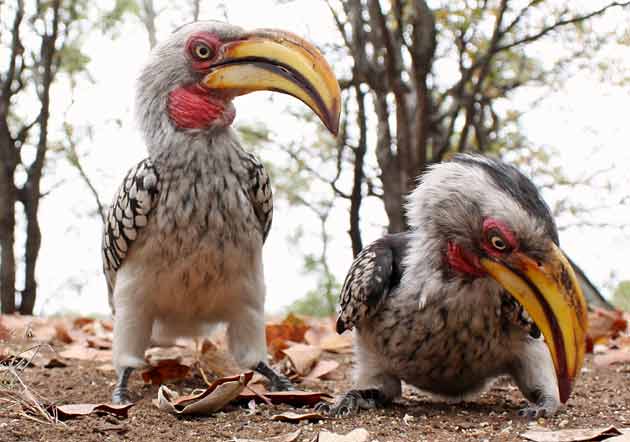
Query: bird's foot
{"type": "Point", "coordinates": [545, 407]}
{"type": "Point", "coordinates": [353, 401]}
{"type": "Point", "coordinates": [277, 381]}
{"type": "Point", "coordinates": [121, 394]}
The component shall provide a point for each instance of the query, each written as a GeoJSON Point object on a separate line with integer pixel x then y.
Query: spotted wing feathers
{"type": "Point", "coordinates": [260, 193]}
{"type": "Point", "coordinates": [368, 281]}
{"type": "Point", "coordinates": [129, 212]}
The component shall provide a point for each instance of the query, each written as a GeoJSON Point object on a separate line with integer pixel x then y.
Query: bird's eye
{"type": "Point", "coordinates": [202, 51]}
{"type": "Point", "coordinates": [498, 242]}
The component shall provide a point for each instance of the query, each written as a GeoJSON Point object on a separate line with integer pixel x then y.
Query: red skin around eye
{"type": "Point", "coordinates": [466, 262]}
{"type": "Point", "coordinates": [211, 40]}
{"type": "Point", "coordinates": [194, 106]}
{"type": "Point", "coordinates": [506, 234]}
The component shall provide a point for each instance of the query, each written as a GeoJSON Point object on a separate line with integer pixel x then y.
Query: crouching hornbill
{"type": "Point", "coordinates": [463, 296]}
{"type": "Point", "coordinates": [182, 243]}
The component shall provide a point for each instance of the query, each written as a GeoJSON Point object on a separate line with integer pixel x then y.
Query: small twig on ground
{"type": "Point", "coordinates": [14, 391]}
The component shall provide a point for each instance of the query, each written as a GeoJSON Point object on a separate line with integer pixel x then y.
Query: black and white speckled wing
{"type": "Point", "coordinates": [260, 193]}
{"type": "Point", "coordinates": [129, 212]}
{"type": "Point", "coordinates": [371, 276]}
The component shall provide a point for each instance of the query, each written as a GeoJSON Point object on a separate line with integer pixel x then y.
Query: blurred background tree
{"type": "Point", "coordinates": [424, 80]}
{"type": "Point", "coordinates": [621, 296]}
{"type": "Point", "coordinates": [421, 81]}
{"type": "Point", "coordinates": [43, 42]}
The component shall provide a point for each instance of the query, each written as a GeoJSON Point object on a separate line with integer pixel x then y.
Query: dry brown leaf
{"type": "Point", "coordinates": [81, 322]}
{"type": "Point", "coordinates": [289, 416]}
{"type": "Point", "coordinates": [99, 343]}
{"type": "Point", "coordinates": [79, 351]}
{"type": "Point", "coordinates": [295, 398]}
{"type": "Point", "coordinates": [622, 342]}
{"type": "Point", "coordinates": [303, 357]}
{"type": "Point", "coordinates": [356, 435]}
{"type": "Point", "coordinates": [75, 410]}
{"type": "Point", "coordinates": [105, 367]}
{"type": "Point", "coordinates": [214, 398]}
{"type": "Point", "coordinates": [317, 332]}
{"type": "Point", "coordinates": [612, 357]}
{"type": "Point", "coordinates": [41, 356]}
{"type": "Point", "coordinates": [289, 437]}
{"type": "Point", "coordinates": [165, 370]}
{"type": "Point", "coordinates": [62, 333]}
{"type": "Point", "coordinates": [218, 360]}
{"type": "Point", "coordinates": [576, 435]}
{"type": "Point", "coordinates": [5, 333]}
{"type": "Point", "coordinates": [185, 355]}
{"type": "Point", "coordinates": [322, 368]}
{"type": "Point", "coordinates": [17, 327]}
{"type": "Point", "coordinates": [604, 325]}
{"type": "Point", "coordinates": [291, 329]}
{"type": "Point", "coordinates": [337, 343]}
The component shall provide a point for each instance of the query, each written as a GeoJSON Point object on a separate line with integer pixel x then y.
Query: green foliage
{"type": "Point", "coordinates": [73, 59]}
{"type": "Point", "coordinates": [621, 296]}
{"type": "Point", "coordinates": [319, 302]}
{"type": "Point", "coordinates": [253, 135]}
{"type": "Point", "coordinates": [110, 19]}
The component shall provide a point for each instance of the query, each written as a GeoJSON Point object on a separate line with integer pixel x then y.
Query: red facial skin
{"type": "Point", "coordinates": [467, 263]}
{"type": "Point", "coordinates": [194, 106]}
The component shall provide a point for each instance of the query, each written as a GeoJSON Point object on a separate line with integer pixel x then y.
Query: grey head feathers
{"type": "Point", "coordinates": [453, 199]}
{"type": "Point", "coordinates": [511, 181]}
{"type": "Point", "coordinates": [166, 69]}
{"type": "Point", "coordinates": [451, 202]}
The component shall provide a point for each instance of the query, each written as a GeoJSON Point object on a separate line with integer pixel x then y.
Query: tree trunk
{"type": "Point", "coordinates": [7, 240]}
{"type": "Point", "coordinates": [356, 197]}
{"type": "Point", "coordinates": [8, 199]}
{"type": "Point", "coordinates": [31, 190]}
{"type": "Point", "coordinates": [33, 242]}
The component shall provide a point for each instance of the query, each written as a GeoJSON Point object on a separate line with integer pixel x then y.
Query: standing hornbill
{"type": "Point", "coordinates": [462, 297]}
{"type": "Point", "coordinates": [182, 243]}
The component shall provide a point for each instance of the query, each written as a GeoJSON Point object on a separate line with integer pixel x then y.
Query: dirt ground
{"type": "Point", "coordinates": [601, 398]}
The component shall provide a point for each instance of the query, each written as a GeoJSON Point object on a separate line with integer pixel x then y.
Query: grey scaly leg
{"type": "Point", "coordinates": [121, 394]}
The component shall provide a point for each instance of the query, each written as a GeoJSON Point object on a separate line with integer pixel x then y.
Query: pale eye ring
{"type": "Point", "coordinates": [498, 242]}
{"type": "Point", "coordinates": [203, 51]}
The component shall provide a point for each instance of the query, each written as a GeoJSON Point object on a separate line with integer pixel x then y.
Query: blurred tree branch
{"type": "Point", "coordinates": [417, 117]}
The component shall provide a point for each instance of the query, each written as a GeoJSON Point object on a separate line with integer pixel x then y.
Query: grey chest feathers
{"type": "Point", "coordinates": [449, 347]}
{"type": "Point", "coordinates": [212, 200]}
{"type": "Point", "coordinates": [205, 202]}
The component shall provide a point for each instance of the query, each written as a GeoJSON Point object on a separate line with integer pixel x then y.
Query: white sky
{"type": "Point", "coordinates": [586, 122]}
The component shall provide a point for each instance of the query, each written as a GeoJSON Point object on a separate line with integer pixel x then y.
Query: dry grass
{"type": "Point", "coordinates": [17, 396]}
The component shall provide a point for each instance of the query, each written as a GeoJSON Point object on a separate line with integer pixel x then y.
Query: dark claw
{"type": "Point", "coordinates": [346, 406]}
{"type": "Point", "coordinates": [277, 381]}
{"type": "Point", "coordinates": [281, 383]}
{"type": "Point", "coordinates": [534, 412]}
{"type": "Point", "coordinates": [353, 401]}
{"type": "Point", "coordinates": [322, 407]}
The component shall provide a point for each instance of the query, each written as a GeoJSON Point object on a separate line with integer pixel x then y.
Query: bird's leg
{"type": "Point", "coordinates": [376, 390]}
{"type": "Point", "coordinates": [246, 338]}
{"type": "Point", "coordinates": [277, 381]}
{"type": "Point", "coordinates": [132, 332]}
{"type": "Point", "coordinates": [535, 376]}
{"type": "Point", "coordinates": [121, 394]}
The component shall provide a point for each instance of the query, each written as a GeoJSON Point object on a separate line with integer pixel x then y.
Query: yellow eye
{"type": "Point", "coordinates": [203, 51]}
{"type": "Point", "coordinates": [498, 242]}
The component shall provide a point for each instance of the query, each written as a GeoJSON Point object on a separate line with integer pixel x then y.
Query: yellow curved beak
{"type": "Point", "coordinates": [267, 59]}
{"type": "Point", "coordinates": [552, 296]}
